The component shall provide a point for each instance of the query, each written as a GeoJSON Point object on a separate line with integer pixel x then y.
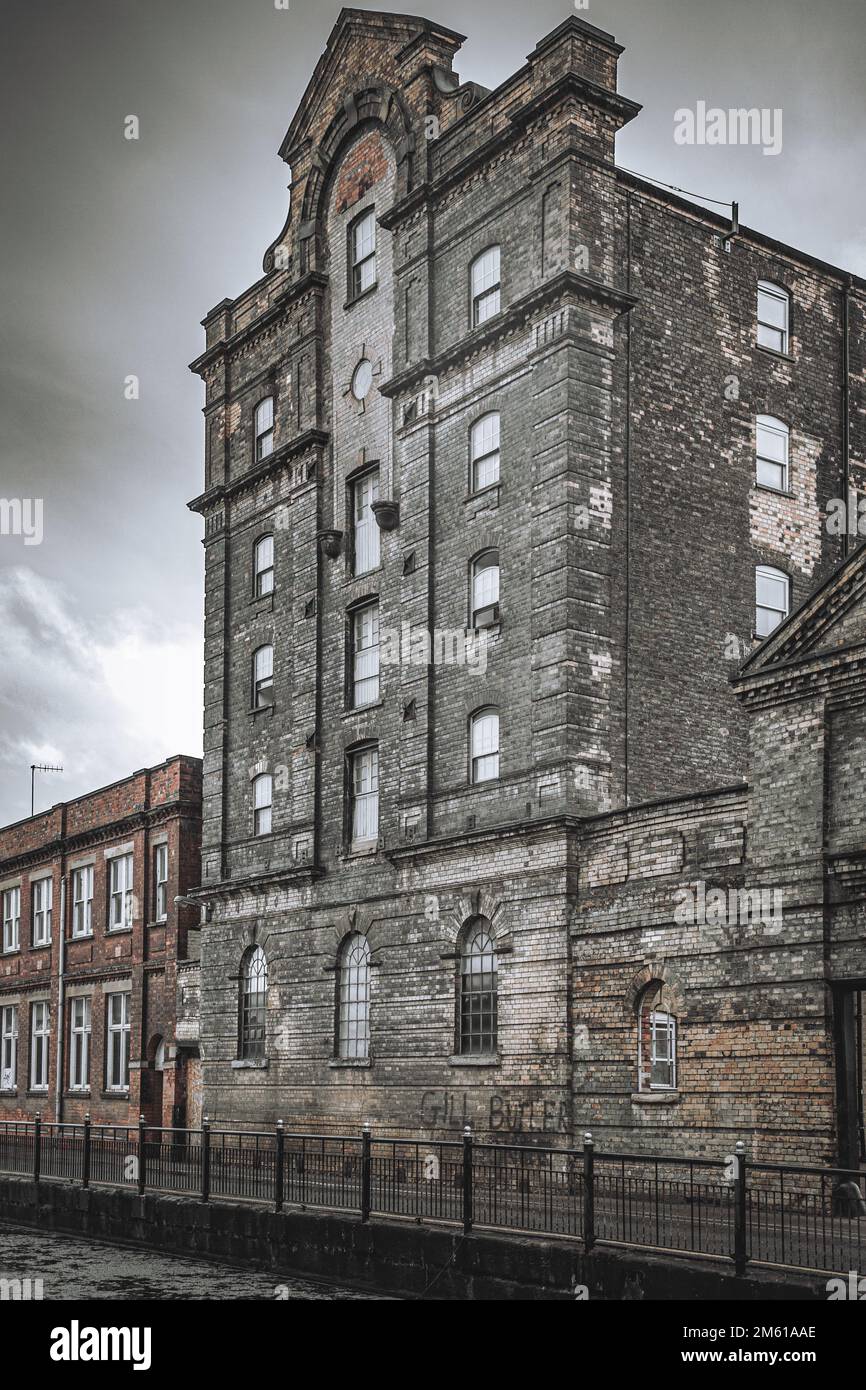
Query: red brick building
{"type": "Point", "coordinates": [91, 941]}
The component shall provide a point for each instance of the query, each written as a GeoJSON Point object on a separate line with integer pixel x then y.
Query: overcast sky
{"type": "Point", "coordinates": [113, 251]}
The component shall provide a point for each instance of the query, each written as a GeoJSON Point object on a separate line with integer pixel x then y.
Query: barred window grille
{"type": "Point", "coordinates": [254, 1001]}
{"type": "Point", "coordinates": [353, 1023]}
{"type": "Point", "coordinates": [478, 993]}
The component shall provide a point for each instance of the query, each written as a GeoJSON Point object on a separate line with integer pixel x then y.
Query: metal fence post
{"type": "Point", "coordinates": [205, 1159]}
{"type": "Point", "coordinates": [141, 1156]}
{"type": "Point", "coordinates": [37, 1146]}
{"type": "Point", "coordinates": [279, 1168]}
{"type": "Point", "coordinates": [588, 1193]}
{"type": "Point", "coordinates": [467, 1180]}
{"type": "Point", "coordinates": [740, 1255]}
{"type": "Point", "coordinates": [366, 1162]}
{"type": "Point", "coordinates": [85, 1159]}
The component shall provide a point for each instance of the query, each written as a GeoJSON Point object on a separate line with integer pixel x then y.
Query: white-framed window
{"type": "Point", "coordinates": [478, 990]}
{"type": "Point", "coordinates": [365, 531]}
{"type": "Point", "coordinates": [264, 427]}
{"type": "Point", "coordinates": [657, 1045]}
{"type": "Point", "coordinates": [117, 1052]}
{"type": "Point", "coordinates": [484, 745]}
{"type": "Point", "coordinates": [11, 919]}
{"type": "Point", "coordinates": [364, 791]}
{"type": "Point", "coordinates": [253, 1005]}
{"type": "Point", "coordinates": [484, 451]}
{"type": "Point", "coordinates": [771, 452]}
{"type": "Point", "coordinates": [263, 796]}
{"type": "Point", "coordinates": [263, 566]}
{"type": "Point", "coordinates": [82, 900]}
{"type": "Point", "coordinates": [484, 285]}
{"type": "Point", "coordinates": [41, 898]}
{"type": "Point", "coordinates": [773, 315]}
{"type": "Point", "coordinates": [772, 599]}
{"type": "Point", "coordinates": [353, 1004]}
{"type": "Point", "coordinates": [362, 253]}
{"type": "Point", "coordinates": [160, 883]}
{"type": "Point", "coordinates": [485, 587]}
{"type": "Point", "coordinates": [40, 1042]}
{"type": "Point", "coordinates": [79, 1043]}
{"type": "Point", "coordinates": [119, 892]}
{"type": "Point", "coordinates": [8, 1047]}
{"type": "Point", "coordinates": [365, 655]}
{"type": "Point", "coordinates": [263, 677]}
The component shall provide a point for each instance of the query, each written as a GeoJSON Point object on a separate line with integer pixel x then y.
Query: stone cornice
{"type": "Point", "coordinates": [104, 833]}
{"type": "Point", "coordinates": [312, 280]}
{"type": "Point", "coordinates": [221, 492]}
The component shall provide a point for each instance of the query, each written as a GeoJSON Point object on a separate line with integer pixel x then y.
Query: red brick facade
{"type": "Point", "coordinates": [127, 941]}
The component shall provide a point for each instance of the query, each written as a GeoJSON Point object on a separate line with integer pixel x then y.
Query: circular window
{"type": "Point", "coordinates": [362, 379]}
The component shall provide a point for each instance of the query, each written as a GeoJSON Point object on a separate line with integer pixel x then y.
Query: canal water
{"type": "Point", "coordinates": [74, 1268]}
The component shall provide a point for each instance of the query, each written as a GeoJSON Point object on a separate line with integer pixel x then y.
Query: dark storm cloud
{"type": "Point", "coordinates": [113, 250]}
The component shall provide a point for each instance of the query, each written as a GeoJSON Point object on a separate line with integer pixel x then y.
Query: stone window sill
{"type": "Point", "coordinates": [655, 1097]}
{"type": "Point", "coordinates": [774, 491]}
{"type": "Point", "coordinates": [262, 709]}
{"type": "Point", "coordinates": [12, 1092]}
{"type": "Point", "coordinates": [250, 1063]}
{"type": "Point", "coordinates": [115, 1095]}
{"type": "Point", "coordinates": [356, 298]}
{"type": "Point", "coordinates": [477, 1059]}
{"type": "Point", "coordinates": [350, 1063]}
{"type": "Point", "coordinates": [772, 352]}
{"type": "Point", "coordinates": [118, 931]}
{"type": "Point", "coordinates": [76, 1094]}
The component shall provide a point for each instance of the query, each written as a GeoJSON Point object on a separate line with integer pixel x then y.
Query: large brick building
{"type": "Point", "coordinates": [494, 397]}
{"type": "Point", "coordinates": [91, 950]}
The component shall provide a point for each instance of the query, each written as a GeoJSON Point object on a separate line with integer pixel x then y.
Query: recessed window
{"type": "Point", "coordinates": [362, 379]}
{"type": "Point", "coordinates": [120, 892]}
{"type": "Point", "coordinates": [160, 882]}
{"type": "Point", "coordinates": [253, 1005]}
{"type": "Point", "coordinates": [485, 589]}
{"type": "Point", "coordinates": [365, 655]}
{"type": "Point", "coordinates": [40, 1046]}
{"type": "Point", "coordinates": [478, 991]}
{"type": "Point", "coordinates": [117, 1049]}
{"type": "Point", "coordinates": [484, 745]}
{"type": "Point", "coordinates": [82, 901]}
{"type": "Point", "coordinates": [365, 534]}
{"type": "Point", "coordinates": [771, 448]}
{"type": "Point", "coordinates": [484, 283]}
{"type": "Point", "coordinates": [11, 919]}
{"type": "Point", "coordinates": [263, 677]}
{"type": "Point", "coordinates": [79, 1044]}
{"type": "Point", "coordinates": [484, 451]}
{"type": "Point", "coordinates": [41, 898]}
{"type": "Point", "coordinates": [772, 599]}
{"type": "Point", "coordinates": [353, 1004]}
{"type": "Point", "coordinates": [364, 795]}
{"type": "Point", "coordinates": [8, 1048]}
{"type": "Point", "coordinates": [657, 1044]}
{"type": "Point", "coordinates": [263, 566]}
{"type": "Point", "coordinates": [263, 795]}
{"type": "Point", "coordinates": [773, 313]}
{"type": "Point", "coordinates": [264, 428]}
{"type": "Point", "coordinates": [362, 253]}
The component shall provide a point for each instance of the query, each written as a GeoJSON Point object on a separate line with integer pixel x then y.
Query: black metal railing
{"type": "Point", "coordinates": [731, 1208]}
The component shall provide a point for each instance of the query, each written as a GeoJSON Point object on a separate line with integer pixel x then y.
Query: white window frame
{"type": "Point", "coordinates": [366, 550]}
{"type": "Point", "coordinates": [263, 677]}
{"type": "Point", "coordinates": [484, 452]}
{"type": "Point", "coordinates": [9, 1047]}
{"type": "Point", "coordinates": [40, 1045]}
{"type": "Point", "coordinates": [484, 582]}
{"type": "Point", "coordinates": [11, 919]}
{"type": "Point", "coordinates": [484, 749]}
{"type": "Point", "coordinates": [362, 253]}
{"type": "Point", "coordinates": [768, 431]}
{"type": "Point", "coordinates": [41, 907]}
{"type": "Point", "coordinates": [485, 286]}
{"type": "Point", "coordinates": [263, 425]}
{"type": "Point", "coordinates": [117, 1031]}
{"type": "Point", "coordinates": [772, 336]}
{"type": "Point", "coordinates": [263, 566]}
{"type": "Point", "coordinates": [364, 788]}
{"type": "Point", "coordinates": [365, 654]}
{"type": "Point", "coordinates": [353, 999]}
{"type": "Point", "coordinates": [263, 801]}
{"type": "Point", "coordinates": [661, 1024]}
{"type": "Point", "coordinates": [80, 1013]}
{"type": "Point", "coordinates": [768, 573]}
{"type": "Point", "coordinates": [120, 880]}
{"type": "Point", "coordinates": [82, 901]}
{"type": "Point", "coordinates": [160, 882]}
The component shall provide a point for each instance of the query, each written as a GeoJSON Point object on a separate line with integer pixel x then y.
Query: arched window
{"type": "Point", "coordinates": [773, 314]}
{"type": "Point", "coordinates": [656, 1044]}
{"type": "Point", "coordinates": [478, 990]}
{"type": "Point", "coordinates": [263, 566]}
{"type": "Point", "coordinates": [263, 794]}
{"type": "Point", "coordinates": [484, 744]}
{"type": "Point", "coordinates": [253, 1004]}
{"type": "Point", "coordinates": [485, 589]}
{"type": "Point", "coordinates": [353, 998]}
{"type": "Point", "coordinates": [771, 450]}
{"type": "Point", "coordinates": [772, 599]}
{"type": "Point", "coordinates": [484, 451]}
{"type": "Point", "coordinates": [484, 286]}
{"type": "Point", "coordinates": [263, 677]}
{"type": "Point", "coordinates": [264, 428]}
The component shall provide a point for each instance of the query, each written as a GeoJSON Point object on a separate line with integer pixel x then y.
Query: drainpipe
{"type": "Point", "coordinates": [846, 415]}
{"type": "Point", "coordinates": [61, 963]}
